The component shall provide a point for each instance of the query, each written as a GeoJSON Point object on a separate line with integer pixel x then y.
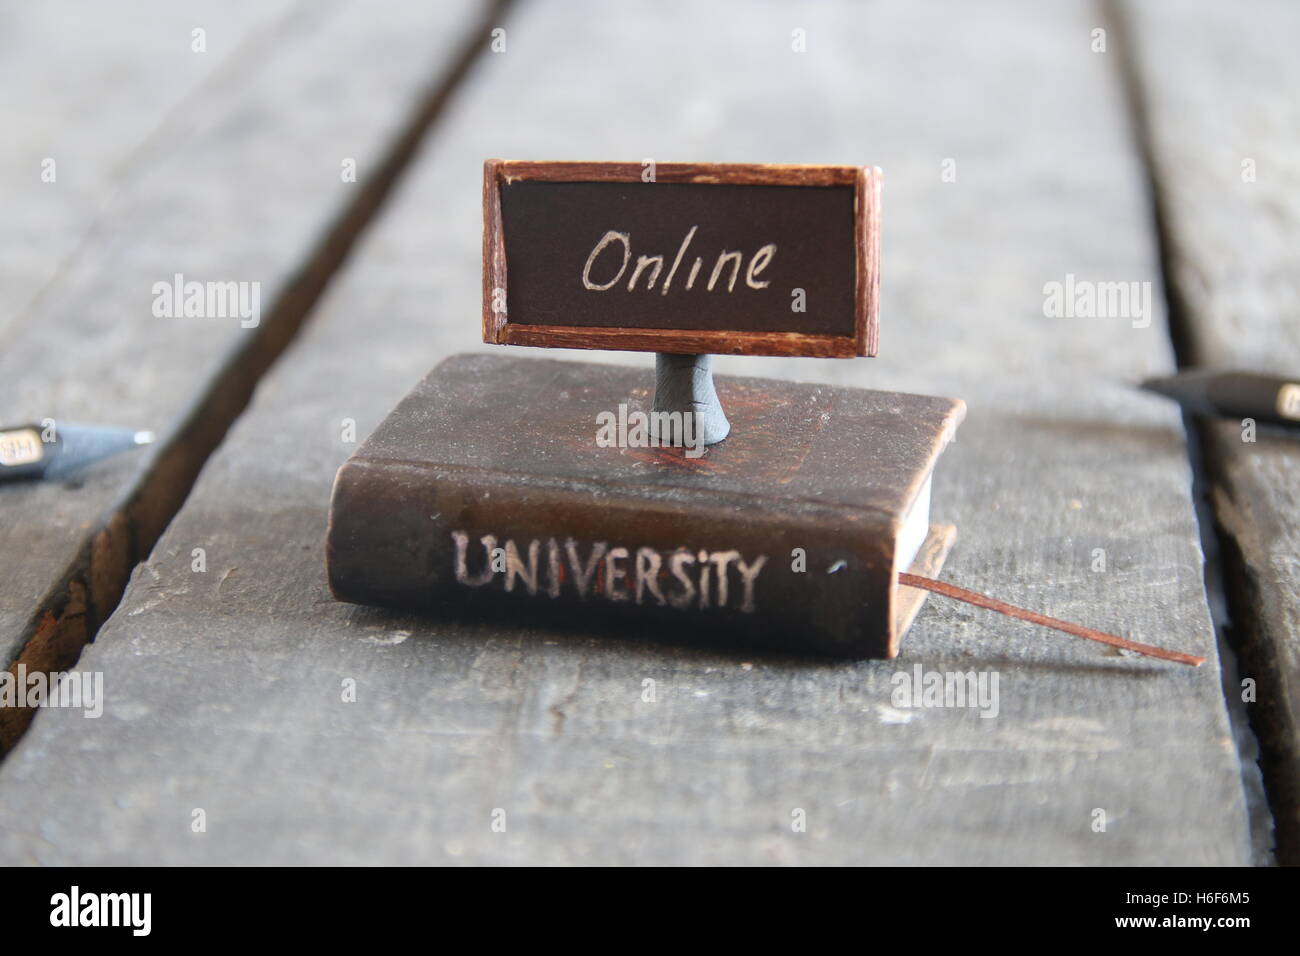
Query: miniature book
{"type": "Point", "coordinates": [790, 533]}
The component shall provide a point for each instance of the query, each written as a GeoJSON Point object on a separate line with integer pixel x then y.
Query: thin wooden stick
{"type": "Point", "coordinates": [1078, 630]}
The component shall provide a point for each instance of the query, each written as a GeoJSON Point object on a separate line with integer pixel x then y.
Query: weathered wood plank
{"type": "Point", "coordinates": [246, 183]}
{"type": "Point", "coordinates": [87, 90]}
{"type": "Point", "coordinates": [1218, 84]}
{"type": "Point", "coordinates": [88, 95]}
{"type": "Point", "coordinates": [226, 688]}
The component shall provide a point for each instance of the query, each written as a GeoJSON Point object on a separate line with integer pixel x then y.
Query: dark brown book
{"type": "Point", "coordinates": [486, 492]}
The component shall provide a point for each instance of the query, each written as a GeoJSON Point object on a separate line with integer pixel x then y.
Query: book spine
{"type": "Point", "coordinates": [709, 569]}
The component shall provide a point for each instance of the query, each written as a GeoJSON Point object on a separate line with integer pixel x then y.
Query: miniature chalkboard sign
{"type": "Point", "coordinates": [682, 259]}
{"type": "Point", "coordinates": [703, 258]}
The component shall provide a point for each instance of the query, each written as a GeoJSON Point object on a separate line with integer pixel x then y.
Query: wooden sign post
{"type": "Point", "coordinates": [682, 259]}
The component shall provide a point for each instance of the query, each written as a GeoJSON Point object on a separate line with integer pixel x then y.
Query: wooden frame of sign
{"type": "Point", "coordinates": [823, 239]}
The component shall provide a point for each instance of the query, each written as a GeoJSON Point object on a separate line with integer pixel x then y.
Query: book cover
{"type": "Point", "coordinates": [487, 491]}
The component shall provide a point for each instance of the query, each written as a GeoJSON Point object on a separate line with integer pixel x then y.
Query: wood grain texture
{"type": "Point", "coordinates": [226, 687]}
{"type": "Point", "coordinates": [101, 96]}
{"type": "Point", "coordinates": [246, 185]}
{"type": "Point", "coordinates": [1218, 86]}
{"type": "Point", "coordinates": [93, 90]}
{"type": "Point", "coordinates": [678, 341]}
{"type": "Point", "coordinates": [866, 182]}
{"type": "Point", "coordinates": [720, 174]}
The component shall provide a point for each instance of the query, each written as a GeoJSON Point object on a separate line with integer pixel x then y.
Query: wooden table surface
{"type": "Point", "coordinates": [250, 718]}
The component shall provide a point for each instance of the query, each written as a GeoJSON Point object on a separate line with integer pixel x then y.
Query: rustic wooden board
{"type": "Point", "coordinates": [98, 95]}
{"type": "Point", "coordinates": [226, 688]}
{"type": "Point", "coordinates": [96, 89]}
{"type": "Point", "coordinates": [244, 183]}
{"type": "Point", "coordinates": [1219, 86]}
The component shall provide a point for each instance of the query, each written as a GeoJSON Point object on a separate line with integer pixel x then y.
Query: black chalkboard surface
{"type": "Point", "coordinates": [686, 258]}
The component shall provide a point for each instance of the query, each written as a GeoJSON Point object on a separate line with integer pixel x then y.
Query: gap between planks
{"type": "Point", "coordinates": [1224, 577]}
{"type": "Point", "coordinates": [70, 614]}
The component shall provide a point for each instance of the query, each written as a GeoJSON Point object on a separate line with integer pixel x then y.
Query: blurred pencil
{"type": "Point", "coordinates": [1265, 398]}
{"type": "Point", "coordinates": [35, 452]}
